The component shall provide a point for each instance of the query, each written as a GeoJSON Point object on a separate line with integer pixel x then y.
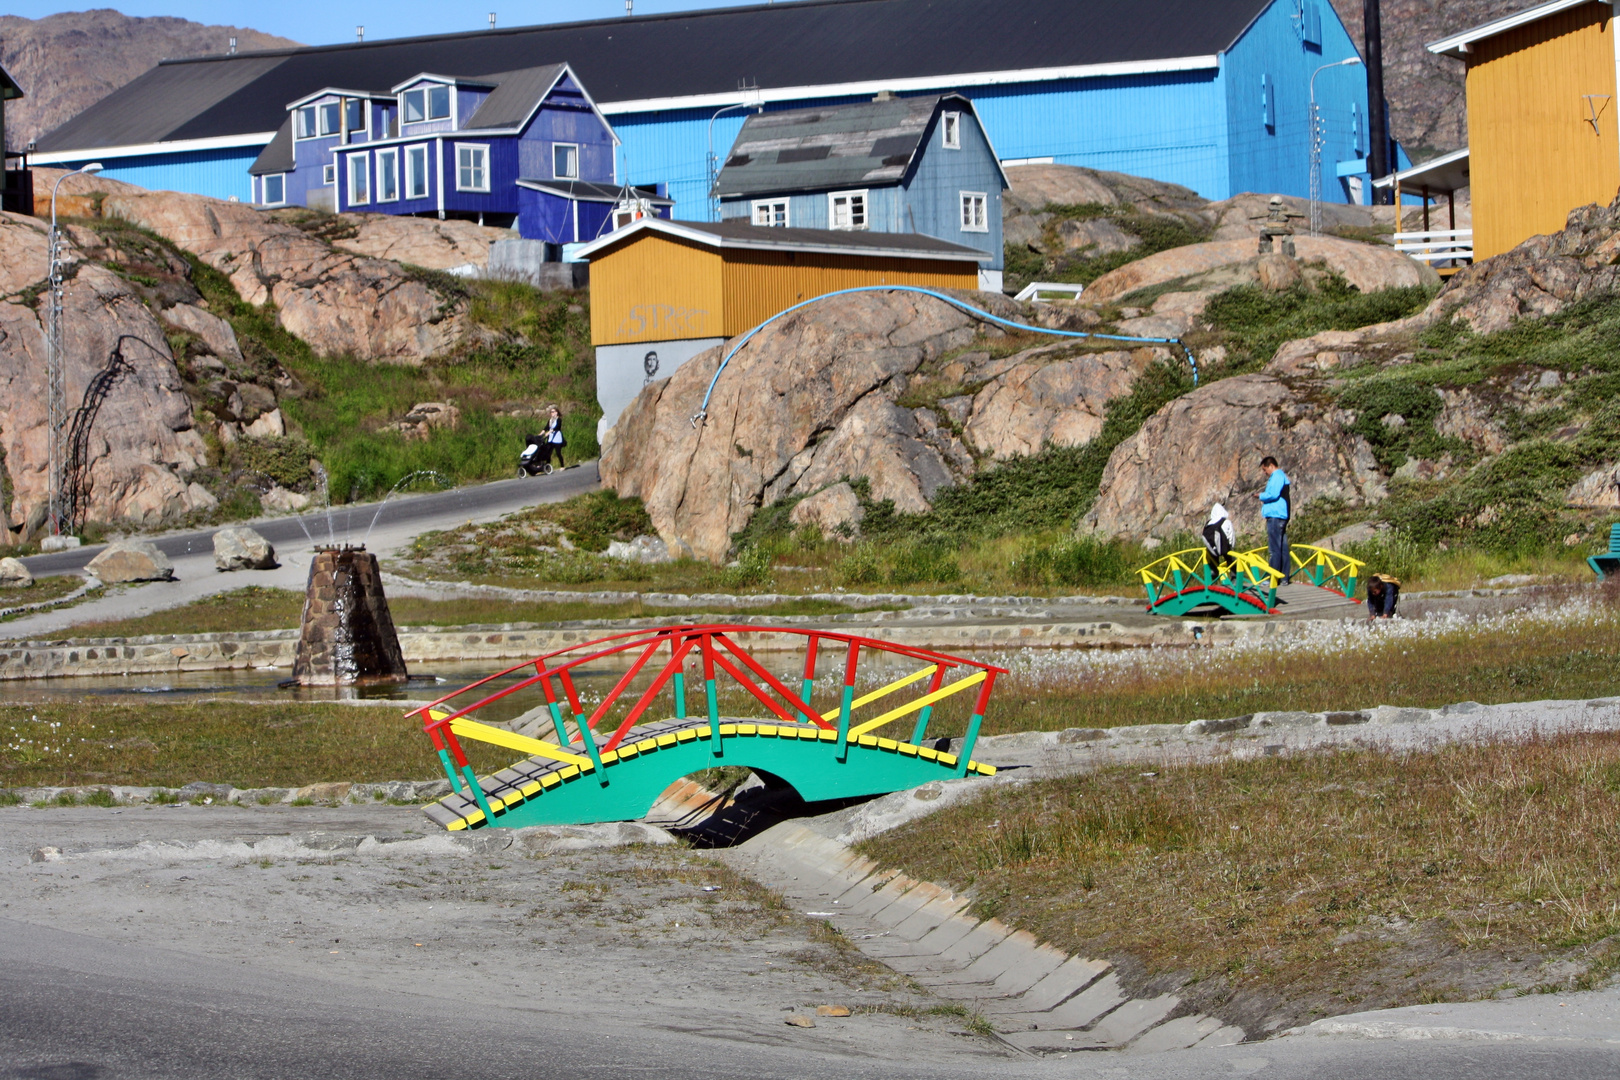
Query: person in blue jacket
{"type": "Point", "coordinates": [1275, 507]}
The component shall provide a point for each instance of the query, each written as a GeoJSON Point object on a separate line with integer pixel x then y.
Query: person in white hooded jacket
{"type": "Point", "coordinates": [1219, 537]}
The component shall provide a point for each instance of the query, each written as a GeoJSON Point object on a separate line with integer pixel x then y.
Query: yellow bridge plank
{"type": "Point", "coordinates": [472, 729]}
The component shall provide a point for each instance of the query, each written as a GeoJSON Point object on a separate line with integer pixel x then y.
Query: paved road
{"type": "Point", "coordinates": [349, 523]}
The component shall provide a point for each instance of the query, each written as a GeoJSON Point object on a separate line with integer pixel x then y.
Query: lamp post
{"type": "Point", "coordinates": [1316, 144]}
{"type": "Point", "coordinates": [714, 169]}
{"type": "Point", "coordinates": [56, 394]}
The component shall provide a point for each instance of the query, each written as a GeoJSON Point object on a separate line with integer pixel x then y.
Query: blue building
{"type": "Point", "coordinates": [896, 165]}
{"type": "Point", "coordinates": [1213, 94]}
{"type": "Point", "coordinates": [524, 149]}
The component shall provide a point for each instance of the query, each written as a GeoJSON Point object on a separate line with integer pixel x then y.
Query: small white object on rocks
{"type": "Point", "coordinates": [13, 574]}
{"type": "Point", "coordinates": [643, 549]}
{"type": "Point", "coordinates": [131, 560]}
{"type": "Point", "coordinates": [269, 425]}
{"type": "Point", "coordinates": [59, 543]}
{"type": "Point", "coordinates": [241, 548]}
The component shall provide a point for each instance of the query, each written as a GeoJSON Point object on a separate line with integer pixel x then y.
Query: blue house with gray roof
{"type": "Point", "coordinates": [919, 165]}
{"type": "Point", "coordinates": [525, 149]}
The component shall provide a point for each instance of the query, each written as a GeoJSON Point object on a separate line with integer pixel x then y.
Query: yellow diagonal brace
{"type": "Point", "coordinates": [472, 729]}
{"type": "Point", "coordinates": [926, 699]}
{"type": "Point", "coordinates": [880, 691]}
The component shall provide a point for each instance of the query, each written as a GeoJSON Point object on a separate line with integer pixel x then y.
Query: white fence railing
{"type": "Point", "coordinates": [1034, 290]}
{"type": "Point", "coordinates": [1441, 245]}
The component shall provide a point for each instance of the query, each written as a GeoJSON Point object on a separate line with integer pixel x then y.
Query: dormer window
{"type": "Point", "coordinates": [355, 114]}
{"type": "Point", "coordinates": [950, 130]}
{"type": "Point", "coordinates": [427, 103]}
{"type": "Point", "coordinates": [330, 113]}
{"type": "Point", "coordinates": [305, 125]}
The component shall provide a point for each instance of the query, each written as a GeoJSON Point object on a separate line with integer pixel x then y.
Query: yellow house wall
{"type": "Point", "coordinates": [1534, 156]}
{"type": "Point", "coordinates": [655, 288]}
{"type": "Point", "coordinates": [758, 284]}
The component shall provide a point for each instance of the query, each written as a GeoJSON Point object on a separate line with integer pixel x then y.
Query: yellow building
{"type": "Point", "coordinates": [664, 291]}
{"type": "Point", "coordinates": [1542, 131]}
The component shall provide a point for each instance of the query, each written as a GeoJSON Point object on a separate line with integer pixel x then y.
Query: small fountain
{"type": "Point", "coordinates": [348, 634]}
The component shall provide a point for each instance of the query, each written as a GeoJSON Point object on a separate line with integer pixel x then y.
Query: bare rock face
{"type": "Point", "coordinates": [141, 446]}
{"type": "Point", "coordinates": [337, 302]}
{"type": "Point", "coordinates": [425, 416]}
{"type": "Point", "coordinates": [131, 560]}
{"type": "Point", "coordinates": [1243, 215]}
{"type": "Point", "coordinates": [213, 331]}
{"type": "Point", "coordinates": [1369, 267]}
{"type": "Point", "coordinates": [1206, 447]}
{"type": "Point", "coordinates": [435, 245]}
{"type": "Point", "coordinates": [241, 548]}
{"type": "Point", "coordinates": [1597, 490]}
{"type": "Point", "coordinates": [836, 511]}
{"type": "Point", "coordinates": [1059, 403]}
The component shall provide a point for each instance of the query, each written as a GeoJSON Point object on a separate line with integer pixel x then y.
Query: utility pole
{"type": "Point", "coordinates": [55, 382]}
{"type": "Point", "coordinates": [1378, 157]}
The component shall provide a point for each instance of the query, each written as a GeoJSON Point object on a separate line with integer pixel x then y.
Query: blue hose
{"type": "Point", "coordinates": [703, 412]}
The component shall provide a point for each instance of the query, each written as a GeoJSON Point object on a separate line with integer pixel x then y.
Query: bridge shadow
{"type": "Point", "coordinates": [725, 815]}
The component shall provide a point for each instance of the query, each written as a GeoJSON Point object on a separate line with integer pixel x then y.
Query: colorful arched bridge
{"type": "Point", "coordinates": [1242, 583]}
{"type": "Point", "coordinates": [610, 765]}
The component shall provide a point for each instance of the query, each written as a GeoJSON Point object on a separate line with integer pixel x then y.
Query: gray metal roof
{"type": "Point", "coordinates": [278, 156]}
{"type": "Point", "coordinates": [9, 90]}
{"type": "Point", "coordinates": [515, 97]}
{"type": "Point", "coordinates": [810, 43]}
{"type": "Point", "coordinates": [588, 191]}
{"type": "Point", "coordinates": [873, 142]}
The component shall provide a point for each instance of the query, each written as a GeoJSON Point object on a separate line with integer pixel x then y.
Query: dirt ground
{"type": "Point", "coordinates": [650, 936]}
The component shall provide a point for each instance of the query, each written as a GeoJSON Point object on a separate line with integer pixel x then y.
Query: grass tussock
{"type": "Point", "coordinates": [1318, 884]}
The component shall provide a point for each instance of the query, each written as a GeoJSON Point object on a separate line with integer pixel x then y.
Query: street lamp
{"type": "Point", "coordinates": [1316, 144]}
{"type": "Point", "coordinates": [56, 394]}
{"type": "Point", "coordinates": [714, 165]}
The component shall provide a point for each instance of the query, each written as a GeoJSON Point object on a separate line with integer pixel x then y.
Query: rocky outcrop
{"type": "Point", "coordinates": [141, 446]}
{"type": "Point", "coordinates": [1368, 267]}
{"type": "Point", "coordinates": [435, 245]}
{"type": "Point", "coordinates": [131, 560]}
{"type": "Point", "coordinates": [814, 400]}
{"type": "Point", "coordinates": [1206, 447]}
{"type": "Point", "coordinates": [425, 416]}
{"type": "Point", "coordinates": [835, 511]}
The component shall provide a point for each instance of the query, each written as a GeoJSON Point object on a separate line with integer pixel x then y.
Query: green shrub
{"type": "Point", "coordinates": [923, 564]}
{"type": "Point", "coordinates": [752, 570]}
{"type": "Point", "coordinates": [1084, 561]}
{"type": "Point", "coordinates": [284, 460]}
{"type": "Point", "coordinates": [100, 797]}
{"type": "Point", "coordinates": [1257, 321]}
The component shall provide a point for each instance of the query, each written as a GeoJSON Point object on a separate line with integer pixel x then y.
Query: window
{"type": "Point", "coordinates": [565, 161]}
{"type": "Point", "coordinates": [771, 212]}
{"type": "Point", "coordinates": [950, 130]}
{"type": "Point", "coordinates": [472, 167]}
{"type": "Point", "coordinates": [328, 175]}
{"type": "Point", "coordinates": [330, 113]}
{"type": "Point", "coordinates": [415, 106]}
{"type": "Point", "coordinates": [846, 210]}
{"type": "Point", "coordinates": [359, 179]}
{"type": "Point", "coordinates": [416, 172]}
{"type": "Point", "coordinates": [974, 218]}
{"type": "Point", "coordinates": [275, 189]}
{"type": "Point", "coordinates": [1267, 116]}
{"type": "Point", "coordinates": [305, 126]}
{"type": "Point", "coordinates": [354, 110]}
{"type": "Point", "coordinates": [1355, 129]}
{"type": "Point", "coordinates": [1310, 23]}
{"type": "Point", "coordinates": [387, 175]}
{"type": "Point", "coordinates": [438, 103]}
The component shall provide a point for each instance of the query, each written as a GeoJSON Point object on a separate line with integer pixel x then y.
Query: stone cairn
{"type": "Point", "coordinates": [348, 634]}
{"type": "Point", "coordinates": [1277, 229]}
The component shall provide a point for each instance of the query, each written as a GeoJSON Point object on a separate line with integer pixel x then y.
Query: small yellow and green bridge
{"type": "Point", "coordinates": [1242, 583]}
{"type": "Point", "coordinates": [612, 765]}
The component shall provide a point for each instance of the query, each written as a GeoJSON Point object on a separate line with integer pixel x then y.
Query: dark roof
{"type": "Point", "coordinates": [872, 142]}
{"type": "Point", "coordinates": [809, 43]}
{"type": "Point", "coordinates": [587, 191]}
{"type": "Point", "coordinates": [741, 234]}
{"type": "Point", "coordinates": [515, 97]}
{"type": "Point", "coordinates": [9, 90]}
{"type": "Point", "coordinates": [278, 156]}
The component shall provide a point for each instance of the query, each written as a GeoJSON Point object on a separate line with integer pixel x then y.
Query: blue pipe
{"type": "Point", "coordinates": [703, 412]}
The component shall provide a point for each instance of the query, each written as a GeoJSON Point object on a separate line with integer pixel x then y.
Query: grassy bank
{"type": "Point", "coordinates": [1277, 891]}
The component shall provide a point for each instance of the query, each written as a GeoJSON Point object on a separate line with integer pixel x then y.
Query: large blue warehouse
{"type": "Point", "coordinates": [1212, 94]}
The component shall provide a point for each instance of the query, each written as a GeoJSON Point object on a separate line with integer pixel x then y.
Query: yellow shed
{"type": "Point", "coordinates": [1542, 132]}
{"type": "Point", "coordinates": [664, 291]}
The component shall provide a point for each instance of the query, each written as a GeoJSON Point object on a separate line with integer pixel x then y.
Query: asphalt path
{"type": "Point", "coordinates": [349, 524]}
{"type": "Point", "coordinates": [77, 1007]}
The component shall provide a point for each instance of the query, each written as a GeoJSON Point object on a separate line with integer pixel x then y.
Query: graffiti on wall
{"type": "Point", "coordinates": [662, 321]}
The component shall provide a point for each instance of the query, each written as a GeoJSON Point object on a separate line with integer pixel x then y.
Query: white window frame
{"type": "Point", "coordinates": [365, 115]}
{"type": "Point", "coordinates": [404, 97]}
{"type": "Point", "coordinates": [572, 147]}
{"type": "Point", "coordinates": [391, 155]}
{"type": "Point", "coordinates": [363, 160]}
{"type": "Point", "coordinates": [449, 100]}
{"type": "Point", "coordinates": [850, 197]}
{"type": "Point", "coordinates": [328, 174]}
{"type": "Point", "coordinates": [766, 209]}
{"type": "Point", "coordinates": [305, 125]}
{"type": "Point", "coordinates": [264, 189]}
{"type": "Point", "coordinates": [482, 148]}
{"type": "Point", "coordinates": [975, 211]}
{"type": "Point", "coordinates": [950, 130]}
{"type": "Point", "coordinates": [411, 174]}
{"type": "Point", "coordinates": [320, 113]}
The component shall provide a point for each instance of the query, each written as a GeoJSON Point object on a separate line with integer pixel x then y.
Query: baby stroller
{"type": "Point", "coordinates": [535, 460]}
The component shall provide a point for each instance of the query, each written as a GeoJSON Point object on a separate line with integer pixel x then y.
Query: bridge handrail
{"type": "Point", "coordinates": [1322, 566]}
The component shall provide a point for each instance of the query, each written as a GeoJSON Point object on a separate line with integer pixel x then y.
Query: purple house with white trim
{"type": "Point", "coordinates": [527, 150]}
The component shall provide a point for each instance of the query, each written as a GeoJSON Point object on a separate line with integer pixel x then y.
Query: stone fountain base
{"type": "Point", "coordinates": [347, 635]}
